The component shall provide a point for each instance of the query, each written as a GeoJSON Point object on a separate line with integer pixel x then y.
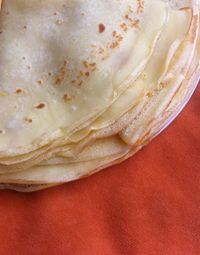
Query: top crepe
{"type": "Point", "coordinates": [65, 62]}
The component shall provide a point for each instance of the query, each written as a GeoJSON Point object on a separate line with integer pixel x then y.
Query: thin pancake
{"type": "Point", "coordinates": [139, 88]}
{"type": "Point", "coordinates": [62, 86]}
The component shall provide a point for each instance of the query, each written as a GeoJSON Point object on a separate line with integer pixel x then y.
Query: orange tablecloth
{"type": "Point", "coordinates": [148, 205]}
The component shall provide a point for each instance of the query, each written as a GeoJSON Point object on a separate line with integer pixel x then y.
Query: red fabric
{"type": "Point", "coordinates": [150, 204]}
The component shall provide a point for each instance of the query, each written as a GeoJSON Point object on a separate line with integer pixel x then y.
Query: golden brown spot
{"type": "Point", "coordinates": [101, 50]}
{"type": "Point", "coordinates": [85, 63]}
{"type": "Point", "coordinates": [80, 83]}
{"type": "Point", "coordinates": [114, 45]}
{"type": "Point", "coordinates": [124, 27]}
{"type": "Point", "coordinates": [67, 98]}
{"type": "Point", "coordinates": [81, 73]}
{"type": "Point", "coordinates": [135, 23]}
{"type": "Point", "coordinates": [29, 120]}
{"type": "Point", "coordinates": [40, 82]}
{"type": "Point", "coordinates": [19, 91]}
{"type": "Point", "coordinates": [59, 79]}
{"type": "Point", "coordinates": [101, 28]}
{"type": "Point", "coordinates": [149, 94]}
{"type": "Point", "coordinates": [114, 33]}
{"type": "Point", "coordinates": [119, 38]}
{"type": "Point", "coordinates": [92, 64]}
{"type": "Point", "coordinates": [140, 7]}
{"type": "Point", "coordinates": [93, 69]}
{"type": "Point", "coordinates": [2, 132]}
{"type": "Point", "coordinates": [40, 106]}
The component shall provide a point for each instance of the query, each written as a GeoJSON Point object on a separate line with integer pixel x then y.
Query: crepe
{"type": "Point", "coordinates": [82, 89]}
{"type": "Point", "coordinates": [145, 33]}
{"type": "Point", "coordinates": [46, 88]}
{"type": "Point", "coordinates": [139, 88]}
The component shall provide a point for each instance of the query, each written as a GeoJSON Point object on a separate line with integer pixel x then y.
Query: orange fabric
{"type": "Point", "coordinates": [150, 204]}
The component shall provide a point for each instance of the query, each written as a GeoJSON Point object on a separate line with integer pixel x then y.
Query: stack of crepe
{"type": "Point", "coordinates": [84, 84]}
